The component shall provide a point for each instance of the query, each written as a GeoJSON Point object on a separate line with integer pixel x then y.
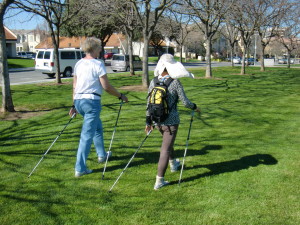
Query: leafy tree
{"type": "Point", "coordinates": [56, 13]}
{"type": "Point", "coordinates": [290, 29]}
{"type": "Point", "coordinates": [245, 22]}
{"type": "Point", "coordinates": [148, 13]}
{"type": "Point", "coordinates": [267, 14]}
{"type": "Point", "coordinates": [230, 32]}
{"type": "Point", "coordinates": [177, 26]}
{"type": "Point", "coordinates": [126, 21]}
{"type": "Point", "coordinates": [95, 19]}
{"type": "Point", "coordinates": [208, 15]}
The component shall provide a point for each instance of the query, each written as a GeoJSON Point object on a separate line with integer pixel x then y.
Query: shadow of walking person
{"type": "Point", "coordinates": [232, 166]}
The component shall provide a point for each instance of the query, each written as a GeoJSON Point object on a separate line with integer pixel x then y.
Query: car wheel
{"type": "Point", "coordinates": [114, 70]}
{"type": "Point", "coordinates": [51, 75]}
{"type": "Point", "coordinates": [127, 69]}
{"type": "Point", "coordinates": [68, 72]}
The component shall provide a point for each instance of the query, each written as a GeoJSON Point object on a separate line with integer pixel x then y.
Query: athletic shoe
{"type": "Point", "coordinates": [160, 182]}
{"type": "Point", "coordinates": [103, 159]}
{"type": "Point", "coordinates": [79, 174]}
{"type": "Point", "coordinates": [174, 165]}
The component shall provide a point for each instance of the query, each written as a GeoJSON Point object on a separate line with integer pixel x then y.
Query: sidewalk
{"type": "Point", "coordinates": [21, 69]}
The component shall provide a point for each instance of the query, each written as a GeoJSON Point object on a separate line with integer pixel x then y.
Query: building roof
{"type": "Point", "coordinates": [75, 42]}
{"type": "Point", "coordinates": [9, 35]}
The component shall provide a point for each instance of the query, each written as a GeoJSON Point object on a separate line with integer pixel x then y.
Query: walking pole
{"type": "Point", "coordinates": [52, 144]}
{"type": "Point", "coordinates": [186, 146]}
{"type": "Point", "coordinates": [130, 160]}
{"type": "Point", "coordinates": [112, 138]}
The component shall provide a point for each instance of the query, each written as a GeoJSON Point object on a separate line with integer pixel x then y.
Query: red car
{"type": "Point", "coordinates": [108, 55]}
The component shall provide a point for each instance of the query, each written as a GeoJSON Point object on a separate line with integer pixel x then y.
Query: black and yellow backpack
{"type": "Point", "coordinates": [157, 100]}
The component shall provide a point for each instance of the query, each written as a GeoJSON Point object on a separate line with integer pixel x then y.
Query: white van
{"type": "Point", "coordinates": [45, 61]}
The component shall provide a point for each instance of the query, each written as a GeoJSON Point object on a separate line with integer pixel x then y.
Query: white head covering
{"type": "Point", "coordinates": [175, 69]}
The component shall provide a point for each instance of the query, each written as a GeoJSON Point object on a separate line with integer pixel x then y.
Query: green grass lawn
{"type": "Point", "coordinates": [20, 63]}
{"type": "Point", "coordinates": [242, 164]}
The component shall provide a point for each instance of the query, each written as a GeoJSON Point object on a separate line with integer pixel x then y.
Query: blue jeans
{"type": "Point", "coordinates": [92, 131]}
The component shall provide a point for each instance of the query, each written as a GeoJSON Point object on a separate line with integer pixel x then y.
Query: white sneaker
{"type": "Point", "coordinates": [103, 159]}
{"type": "Point", "coordinates": [79, 174]}
{"type": "Point", "coordinates": [174, 165]}
{"type": "Point", "coordinates": [160, 182]}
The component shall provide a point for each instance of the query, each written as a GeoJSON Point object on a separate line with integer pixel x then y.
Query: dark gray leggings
{"type": "Point", "coordinates": [167, 150]}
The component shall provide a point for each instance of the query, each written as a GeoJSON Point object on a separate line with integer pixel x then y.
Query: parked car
{"type": "Point", "coordinates": [27, 55]}
{"type": "Point", "coordinates": [120, 62]}
{"type": "Point", "coordinates": [68, 57]}
{"type": "Point", "coordinates": [237, 60]}
{"type": "Point", "coordinates": [108, 55]}
{"type": "Point", "coordinates": [282, 61]}
{"type": "Point", "coordinates": [31, 55]}
{"type": "Point", "coordinates": [285, 61]}
{"type": "Point", "coordinates": [22, 54]}
{"type": "Point", "coordinates": [249, 61]}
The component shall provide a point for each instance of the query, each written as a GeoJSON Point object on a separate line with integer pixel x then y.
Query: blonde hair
{"type": "Point", "coordinates": [91, 44]}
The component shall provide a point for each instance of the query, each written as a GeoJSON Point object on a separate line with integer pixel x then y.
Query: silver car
{"type": "Point", "coordinates": [120, 62]}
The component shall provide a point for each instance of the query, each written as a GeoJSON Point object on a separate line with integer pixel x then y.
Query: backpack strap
{"type": "Point", "coordinates": [168, 81]}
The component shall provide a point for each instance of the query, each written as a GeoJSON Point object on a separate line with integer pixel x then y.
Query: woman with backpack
{"type": "Point", "coordinates": [89, 81]}
{"type": "Point", "coordinates": [166, 73]}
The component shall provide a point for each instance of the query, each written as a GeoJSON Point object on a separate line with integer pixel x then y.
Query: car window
{"type": "Point", "coordinates": [136, 58]}
{"type": "Point", "coordinates": [127, 57]}
{"type": "Point", "coordinates": [78, 54]}
{"type": "Point", "coordinates": [67, 55]}
{"type": "Point", "coordinates": [118, 57]}
{"type": "Point", "coordinates": [47, 55]}
{"type": "Point", "coordinates": [40, 54]}
{"type": "Point", "coordinates": [83, 54]}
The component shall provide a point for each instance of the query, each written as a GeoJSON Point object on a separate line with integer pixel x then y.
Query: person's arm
{"type": "Point", "coordinates": [186, 102]}
{"type": "Point", "coordinates": [73, 110]}
{"type": "Point", "coordinates": [148, 118]}
{"type": "Point", "coordinates": [110, 89]}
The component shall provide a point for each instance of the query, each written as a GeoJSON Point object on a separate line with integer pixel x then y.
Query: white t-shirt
{"type": "Point", "coordinates": [88, 72]}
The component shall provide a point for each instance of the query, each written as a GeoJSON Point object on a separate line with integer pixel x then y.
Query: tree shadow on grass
{"type": "Point", "coordinates": [231, 166]}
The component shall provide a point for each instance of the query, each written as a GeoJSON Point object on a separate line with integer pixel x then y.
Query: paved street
{"type": "Point", "coordinates": [30, 76]}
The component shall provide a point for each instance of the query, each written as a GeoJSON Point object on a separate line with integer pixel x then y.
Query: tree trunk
{"type": "Point", "coordinates": [57, 63]}
{"type": "Point", "coordinates": [243, 69]}
{"type": "Point", "coordinates": [7, 102]}
{"type": "Point", "coordinates": [180, 47]}
{"type": "Point", "coordinates": [130, 52]}
{"type": "Point", "coordinates": [262, 61]}
{"type": "Point", "coordinates": [231, 55]}
{"type": "Point", "coordinates": [208, 72]}
{"type": "Point", "coordinates": [289, 59]}
{"type": "Point", "coordinates": [145, 78]}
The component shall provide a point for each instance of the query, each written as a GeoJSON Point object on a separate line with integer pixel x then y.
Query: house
{"type": "Point", "coordinates": [11, 41]}
{"type": "Point", "coordinates": [154, 50]}
{"type": "Point", "coordinates": [27, 40]}
{"type": "Point", "coordinates": [115, 44]}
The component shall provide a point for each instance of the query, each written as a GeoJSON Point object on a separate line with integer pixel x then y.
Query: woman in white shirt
{"type": "Point", "coordinates": [89, 80]}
